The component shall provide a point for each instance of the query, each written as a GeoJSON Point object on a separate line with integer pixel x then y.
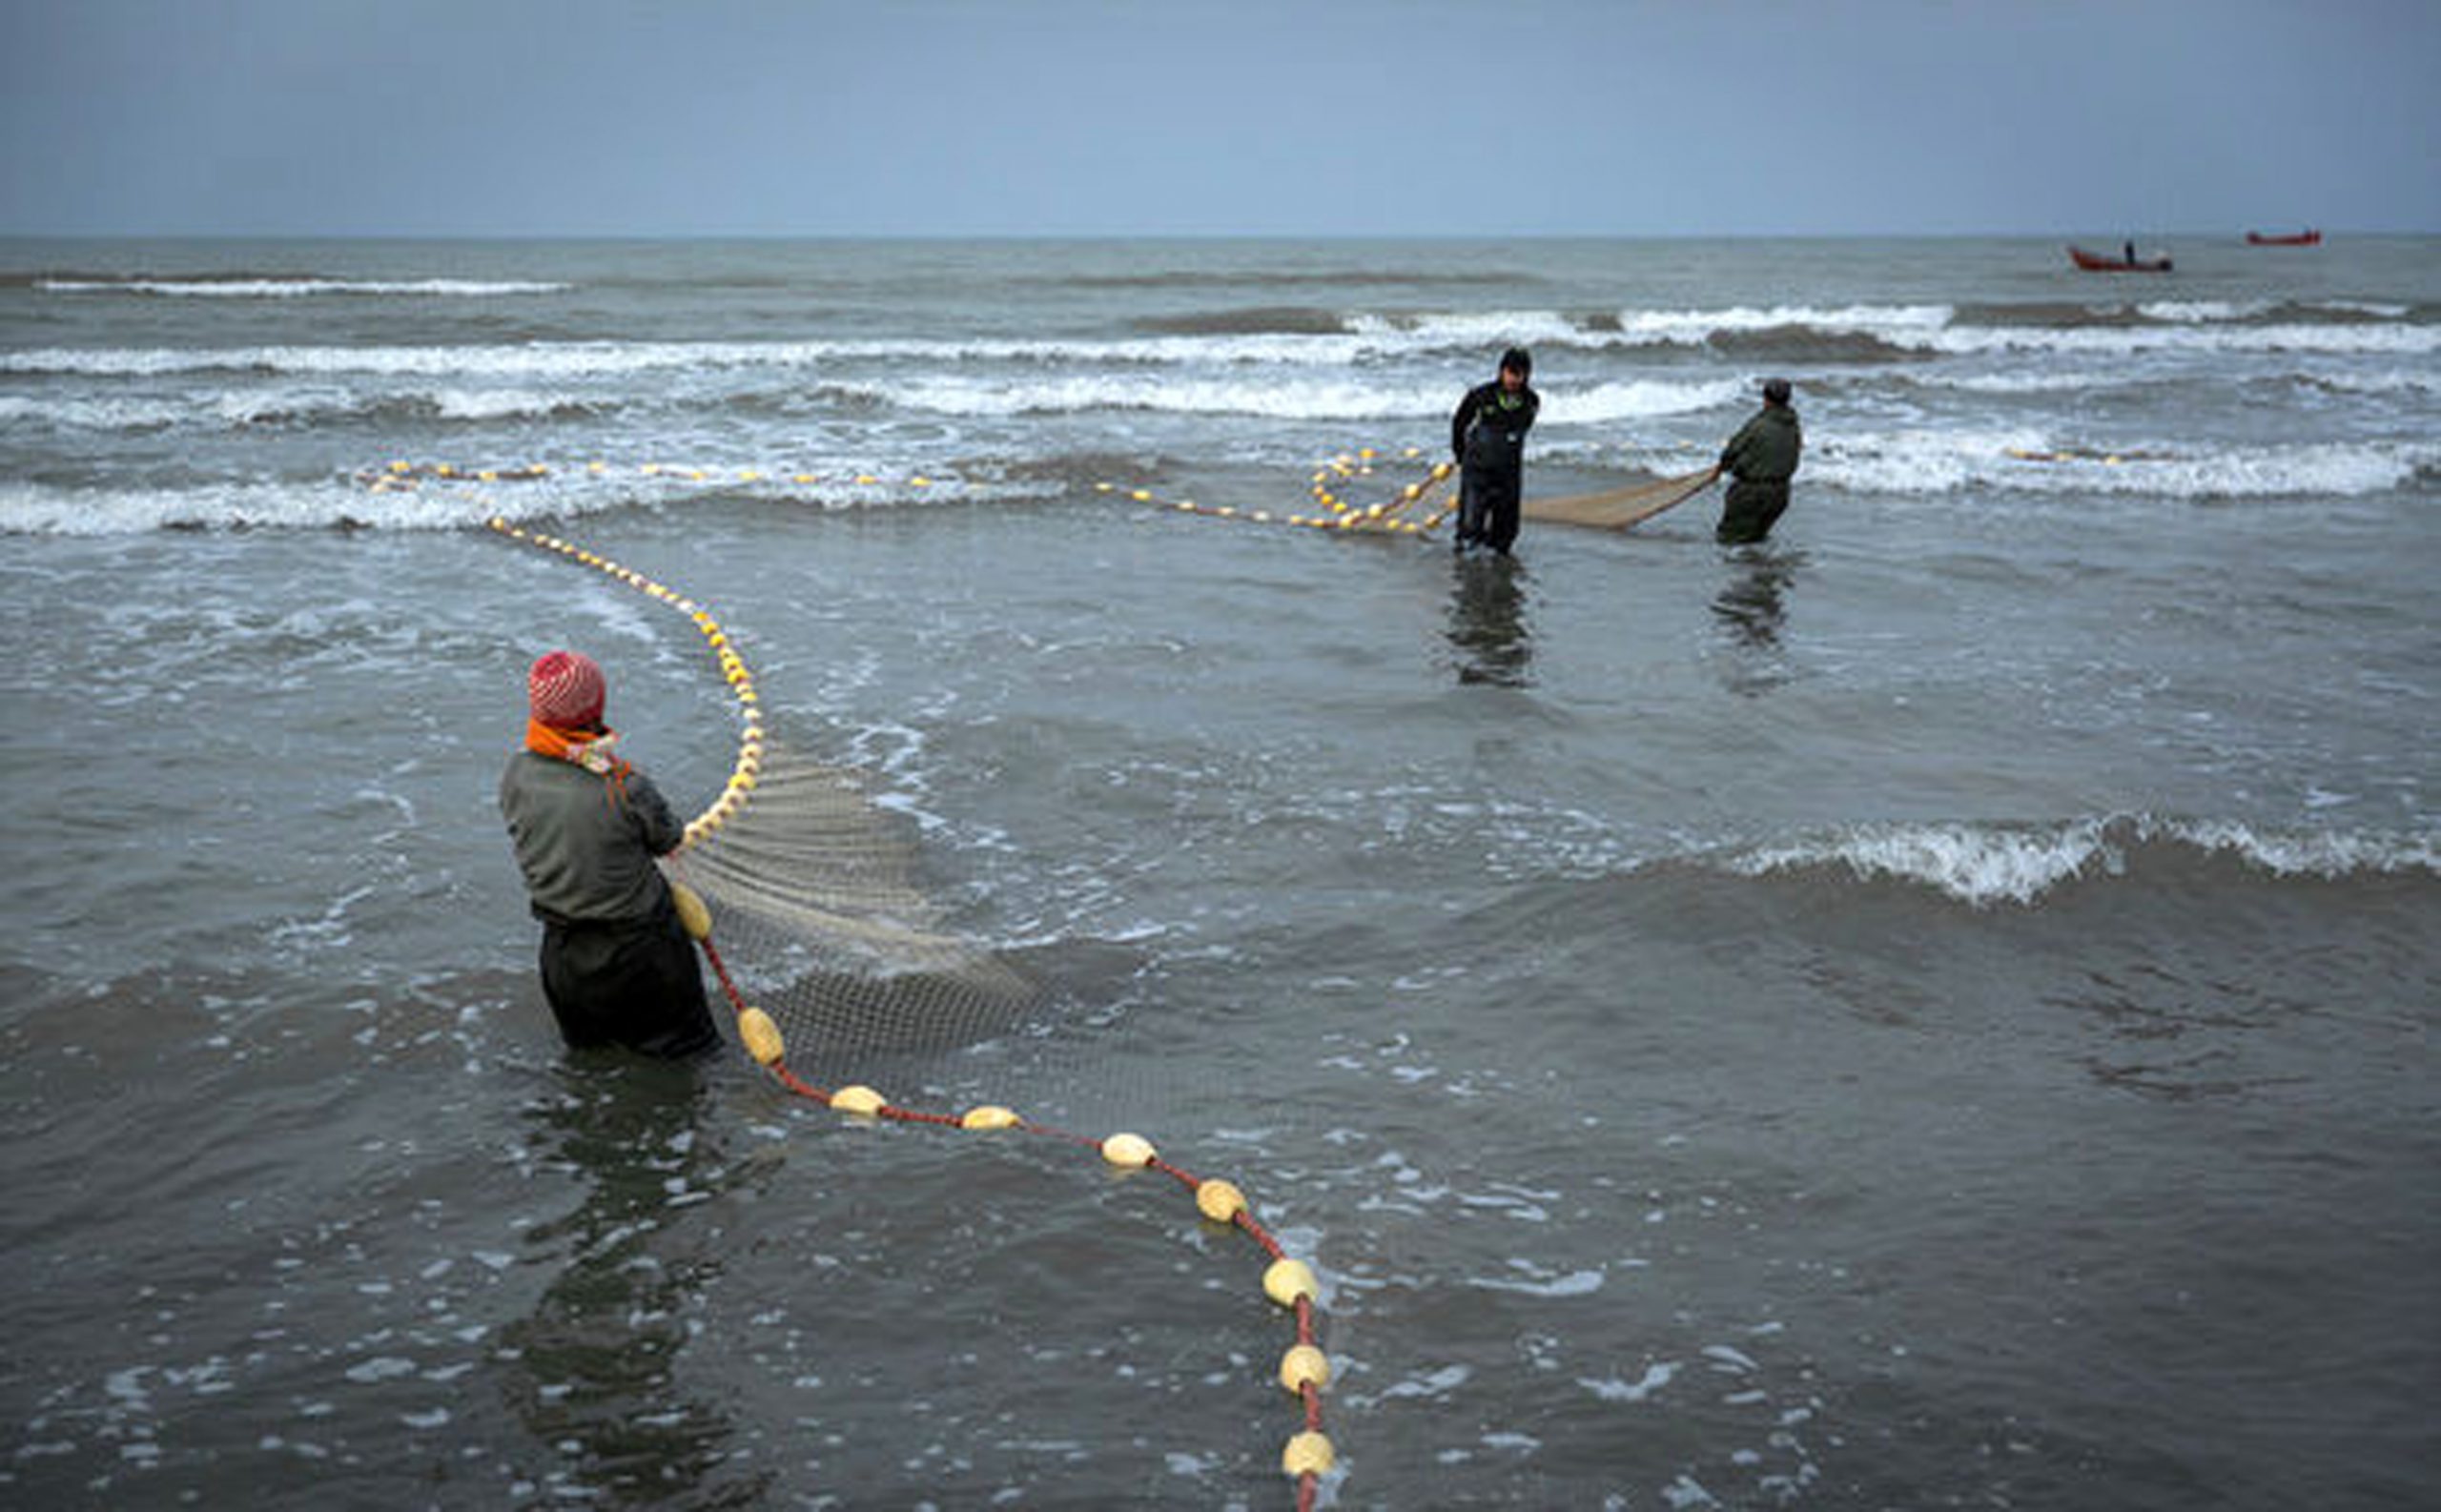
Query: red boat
{"type": "Point", "coordinates": [2099, 262]}
{"type": "Point", "coordinates": [2301, 239]}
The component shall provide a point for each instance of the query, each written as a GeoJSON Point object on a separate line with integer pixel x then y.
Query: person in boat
{"type": "Point", "coordinates": [618, 967]}
{"type": "Point", "coordinates": [2128, 252]}
{"type": "Point", "coordinates": [1488, 433]}
{"type": "Point", "coordinates": [1760, 460]}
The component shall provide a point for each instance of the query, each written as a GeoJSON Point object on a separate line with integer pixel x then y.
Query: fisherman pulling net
{"type": "Point", "coordinates": [1413, 510]}
{"type": "Point", "coordinates": [839, 952]}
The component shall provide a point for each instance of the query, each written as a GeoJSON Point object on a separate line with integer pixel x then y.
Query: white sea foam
{"type": "Point", "coordinates": [1314, 398]}
{"type": "Point", "coordinates": [2200, 339]}
{"type": "Point", "coordinates": [1337, 394]}
{"type": "Point", "coordinates": [493, 404]}
{"type": "Point", "coordinates": [1574, 1283]}
{"type": "Point", "coordinates": [28, 508]}
{"type": "Point", "coordinates": [1944, 462]}
{"type": "Point", "coordinates": [1467, 331]}
{"type": "Point", "coordinates": [1642, 399]}
{"type": "Point", "coordinates": [2101, 377]}
{"type": "Point", "coordinates": [1693, 327]}
{"type": "Point", "coordinates": [1434, 1383]}
{"type": "Point", "coordinates": [36, 509]}
{"type": "Point", "coordinates": [2202, 310]}
{"type": "Point", "coordinates": [1298, 395]}
{"type": "Point", "coordinates": [1654, 1378]}
{"type": "Point", "coordinates": [2320, 854]}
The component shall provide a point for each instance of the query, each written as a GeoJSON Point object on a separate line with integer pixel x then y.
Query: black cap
{"type": "Point", "coordinates": [1775, 391]}
{"type": "Point", "coordinates": [1518, 358]}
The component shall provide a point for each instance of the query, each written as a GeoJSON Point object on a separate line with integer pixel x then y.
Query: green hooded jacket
{"type": "Point", "coordinates": [1765, 448]}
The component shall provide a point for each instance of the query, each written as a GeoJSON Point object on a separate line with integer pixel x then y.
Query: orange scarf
{"type": "Point", "coordinates": [593, 750]}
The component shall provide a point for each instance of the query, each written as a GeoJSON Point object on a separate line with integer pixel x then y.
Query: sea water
{"type": "Point", "coordinates": [1932, 1010]}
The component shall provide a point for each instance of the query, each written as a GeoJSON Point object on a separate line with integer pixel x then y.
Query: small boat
{"type": "Point", "coordinates": [2102, 262]}
{"type": "Point", "coordinates": [2309, 237]}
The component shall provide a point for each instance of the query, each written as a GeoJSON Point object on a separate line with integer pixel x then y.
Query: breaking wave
{"type": "Point", "coordinates": [1924, 462]}
{"type": "Point", "coordinates": [1985, 864]}
{"type": "Point", "coordinates": [1303, 336]}
{"type": "Point", "coordinates": [465, 502]}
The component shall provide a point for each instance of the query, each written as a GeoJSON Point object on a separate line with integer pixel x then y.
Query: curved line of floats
{"type": "Point", "coordinates": [1394, 516]}
{"type": "Point", "coordinates": [1409, 512]}
{"type": "Point", "coordinates": [1304, 1369]}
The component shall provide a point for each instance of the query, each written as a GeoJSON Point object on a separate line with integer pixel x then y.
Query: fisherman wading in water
{"type": "Point", "coordinates": [618, 965]}
{"type": "Point", "coordinates": [1760, 460]}
{"type": "Point", "coordinates": [1488, 433]}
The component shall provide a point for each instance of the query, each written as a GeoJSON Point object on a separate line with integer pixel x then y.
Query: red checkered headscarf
{"type": "Point", "coordinates": [566, 691]}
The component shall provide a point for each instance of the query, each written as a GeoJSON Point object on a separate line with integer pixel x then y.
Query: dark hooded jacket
{"type": "Point", "coordinates": [1765, 448]}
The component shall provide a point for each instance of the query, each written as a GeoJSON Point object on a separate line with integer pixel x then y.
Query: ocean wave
{"type": "Point", "coordinates": [564, 361]}
{"type": "Point", "coordinates": [1642, 399]}
{"type": "Point", "coordinates": [1695, 327]}
{"type": "Point", "coordinates": [1303, 399]}
{"type": "Point", "coordinates": [1300, 398]}
{"type": "Point", "coordinates": [1471, 331]}
{"type": "Point", "coordinates": [2031, 460]}
{"type": "Point", "coordinates": [1861, 329]}
{"type": "Point", "coordinates": [1298, 338]}
{"type": "Point", "coordinates": [1985, 864]}
{"type": "Point", "coordinates": [2104, 376]}
{"type": "Point", "coordinates": [2072, 315]}
{"type": "Point", "coordinates": [2340, 339]}
{"type": "Point", "coordinates": [586, 359]}
{"type": "Point", "coordinates": [243, 408]}
{"type": "Point", "coordinates": [85, 413]}
{"type": "Point", "coordinates": [39, 510]}
{"type": "Point", "coordinates": [2386, 382]}
{"type": "Point", "coordinates": [422, 500]}
{"type": "Point", "coordinates": [498, 404]}
{"type": "Point", "coordinates": [2203, 310]}
{"type": "Point", "coordinates": [272, 286]}
{"type": "Point", "coordinates": [1255, 321]}
{"type": "Point", "coordinates": [1285, 279]}
{"type": "Point", "coordinates": [1363, 341]}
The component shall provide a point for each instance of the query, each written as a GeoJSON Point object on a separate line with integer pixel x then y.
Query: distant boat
{"type": "Point", "coordinates": [2102, 262]}
{"type": "Point", "coordinates": [2300, 238]}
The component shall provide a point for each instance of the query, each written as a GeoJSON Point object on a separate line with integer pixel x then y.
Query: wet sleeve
{"type": "Point", "coordinates": [655, 822]}
{"type": "Point", "coordinates": [1728, 453]}
{"type": "Point", "coordinates": [1459, 422]}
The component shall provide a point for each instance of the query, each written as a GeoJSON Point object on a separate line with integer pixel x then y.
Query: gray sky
{"type": "Point", "coordinates": [887, 118]}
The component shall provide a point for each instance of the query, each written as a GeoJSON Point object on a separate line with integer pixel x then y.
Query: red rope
{"type": "Point", "coordinates": [1308, 1484]}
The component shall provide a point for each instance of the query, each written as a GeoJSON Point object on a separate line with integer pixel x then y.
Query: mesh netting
{"type": "Point", "coordinates": [823, 919]}
{"type": "Point", "coordinates": [1618, 508]}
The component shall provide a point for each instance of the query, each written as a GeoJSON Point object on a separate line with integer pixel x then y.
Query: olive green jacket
{"type": "Point", "coordinates": [1765, 448]}
{"type": "Point", "coordinates": [587, 849]}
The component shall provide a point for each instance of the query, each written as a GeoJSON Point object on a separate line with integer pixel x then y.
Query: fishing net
{"type": "Point", "coordinates": [1618, 508]}
{"type": "Point", "coordinates": [827, 925]}
{"type": "Point", "coordinates": [1419, 508]}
